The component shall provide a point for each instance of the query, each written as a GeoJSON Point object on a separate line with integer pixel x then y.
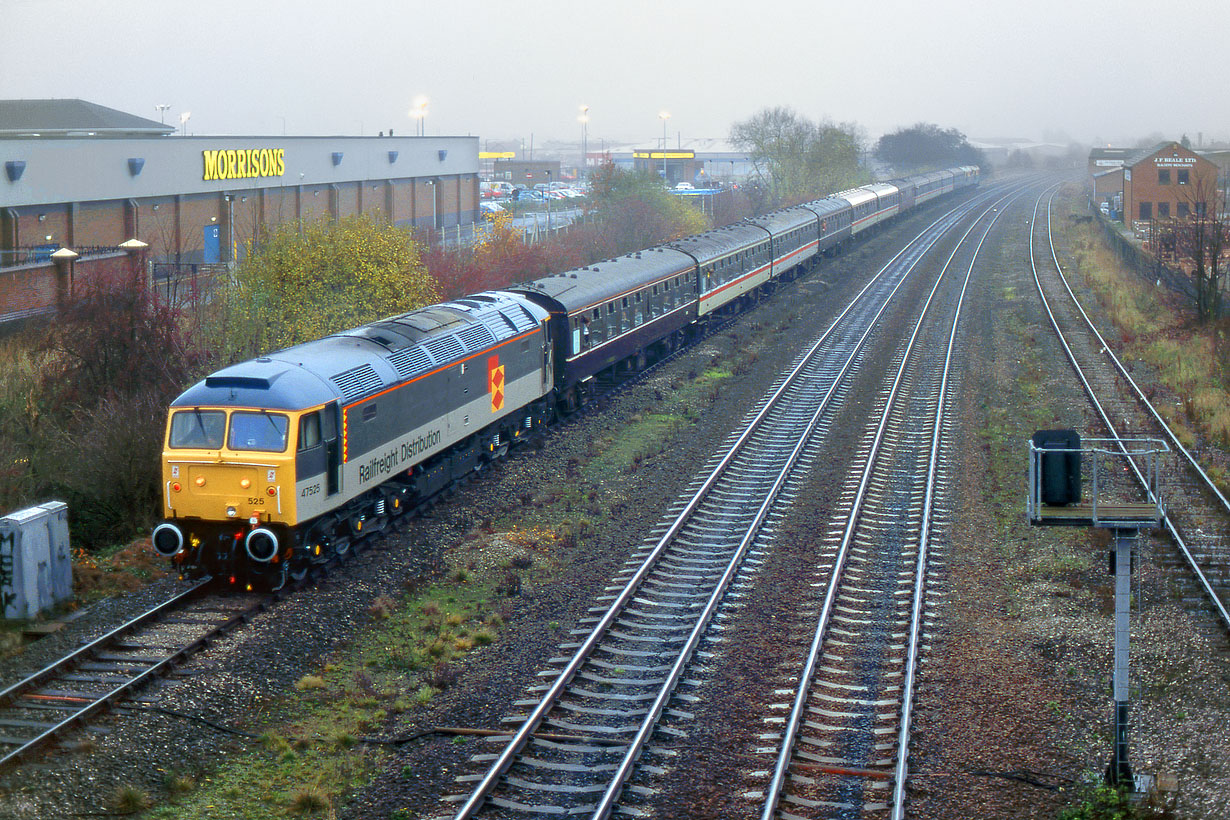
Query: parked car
{"type": "Point", "coordinates": [685, 186]}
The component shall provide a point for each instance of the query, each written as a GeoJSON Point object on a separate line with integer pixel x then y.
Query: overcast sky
{"type": "Point", "coordinates": [1116, 71]}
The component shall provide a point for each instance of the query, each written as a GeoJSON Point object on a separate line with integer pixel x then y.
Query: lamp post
{"type": "Point", "coordinates": [547, 196]}
{"type": "Point", "coordinates": [432, 183]}
{"type": "Point", "coordinates": [584, 118]}
{"type": "Point", "coordinates": [230, 230]}
{"type": "Point", "coordinates": [664, 115]}
{"type": "Point", "coordinates": [183, 122]}
{"type": "Point", "coordinates": [162, 112]}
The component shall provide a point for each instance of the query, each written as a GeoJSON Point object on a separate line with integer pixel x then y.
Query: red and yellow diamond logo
{"type": "Point", "coordinates": [495, 383]}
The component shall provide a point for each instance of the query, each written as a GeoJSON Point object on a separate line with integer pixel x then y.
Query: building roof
{"type": "Point", "coordinates": [1109, 153]}
{"type": "Point", "coordinates": [59, 118]}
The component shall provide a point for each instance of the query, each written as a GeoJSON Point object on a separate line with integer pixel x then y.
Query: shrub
{"type": "Point", "coordinates": [129, 799]}
{"type": "Point", "coordinates": [308, 682]}
{"type": "Point", "coordinates": [308, 800]}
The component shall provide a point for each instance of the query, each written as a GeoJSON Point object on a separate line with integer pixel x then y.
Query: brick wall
{"type": "Point", "coordinates": [1166, 183]}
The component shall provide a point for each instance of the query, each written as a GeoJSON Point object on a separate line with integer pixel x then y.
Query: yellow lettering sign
{"type": "Point", "coordinates": [244, 163]}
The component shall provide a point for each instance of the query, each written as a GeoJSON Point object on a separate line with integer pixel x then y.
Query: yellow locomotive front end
{"type": "Point", "coordinates": [228, 477]}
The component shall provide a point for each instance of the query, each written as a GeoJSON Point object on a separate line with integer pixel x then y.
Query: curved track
{"type": "Point", "coordinates": [1196, 512]}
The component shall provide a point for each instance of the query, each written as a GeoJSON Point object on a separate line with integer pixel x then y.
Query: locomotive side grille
{"type": "Point", "coordinates": [357, 381]}
{"type": "Point", "coordinates": [476, 337]}
{"type": "Point", "coordinates": [444, 348]}
{"type": "Point", "coordinates": [410, 362]}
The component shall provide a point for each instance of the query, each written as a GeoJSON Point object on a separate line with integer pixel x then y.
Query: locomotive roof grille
{"type": "Point", "coordinates": [444, 348]}
{"type": "Point", "coordinates": [411, 362]}
{"type": "Point", "coordinates": [357, 381]}
{"type": "Point", "coordinates": [476, 337]}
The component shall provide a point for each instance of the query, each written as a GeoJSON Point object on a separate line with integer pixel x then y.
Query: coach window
{"type": "Point", "coordinates": [1163, 176]}
{"type": "Point", "coordinates": [309, 431]}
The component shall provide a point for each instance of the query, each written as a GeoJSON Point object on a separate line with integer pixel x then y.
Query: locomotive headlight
{"type": "Point", "coordinates": [167, 539]}
{"type": "Point", "coordinates": [245, 483]}
{"type": "Point", "coordinates": [230, 512]}
{"type": "Point", "coordinates": [200, 481]}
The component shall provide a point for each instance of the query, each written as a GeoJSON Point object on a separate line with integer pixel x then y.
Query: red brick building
{"type": "Point", "coordinates": [1167, 181]}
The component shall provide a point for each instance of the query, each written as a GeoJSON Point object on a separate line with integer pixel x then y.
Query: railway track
{"type": "Point", "coordinates": [63, 696]}
{"type": "Point", "coordinates": [843, 748]}
{"type": "Point", "coordinates": [1196, 512]}
{"type": "Point", "coordinates": [47, 705]}
{"type": "Point", "coordinates": [578, 746]}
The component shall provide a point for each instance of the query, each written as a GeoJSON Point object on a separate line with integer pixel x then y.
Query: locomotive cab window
{"type": "Point", "coordinates": [309, 431]}
{"type": "Point", "coordinates": [197, 429]}
{"type": "Point", "coordinates": [258, 431]}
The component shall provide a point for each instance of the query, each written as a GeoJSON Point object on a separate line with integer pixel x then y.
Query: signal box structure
{"type": "Point", "coordinates": [1108, 483]}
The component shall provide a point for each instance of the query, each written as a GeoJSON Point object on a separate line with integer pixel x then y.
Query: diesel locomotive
{"type": "Point", "coordinates": [278, 463]}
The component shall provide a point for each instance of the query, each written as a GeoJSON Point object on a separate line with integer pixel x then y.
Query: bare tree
{"type": "Point", "coordinates": [1202, 240]}
{"type": "Point", "coordinates": [796, 159]}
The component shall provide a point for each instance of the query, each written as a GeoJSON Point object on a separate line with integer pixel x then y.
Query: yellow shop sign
{"type": "Point", "coordinates": [244, 163]}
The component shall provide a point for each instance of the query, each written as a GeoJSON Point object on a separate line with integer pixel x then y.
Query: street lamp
{"type": "Point", "coordinates": [432, 183]}
{"type": "Point", "coordinates": [419, 113]}
{"type": "Point", "coordinates": [584, 119]}
{"type": "Point", "coordinates": [162, 112]}
{"type": "Point", "coordinates": [183, 122]}
{"type": "Point", "coordinates": [664, 115]}
{"type": "Point", "coordinates": [547, 196]}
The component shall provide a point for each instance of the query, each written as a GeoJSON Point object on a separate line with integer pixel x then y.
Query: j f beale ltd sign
{"type": "Point", "coordinates": [244, 163]}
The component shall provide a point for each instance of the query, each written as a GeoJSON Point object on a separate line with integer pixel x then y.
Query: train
{"type": "Point", "coordinates": [280, 463]}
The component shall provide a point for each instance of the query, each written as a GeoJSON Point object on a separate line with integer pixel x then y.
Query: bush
{"type": "Point", "coordinates": [82, 405]}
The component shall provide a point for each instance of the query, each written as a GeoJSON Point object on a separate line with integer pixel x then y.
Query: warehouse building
{"type": "Point", "coordinates": [1164, 181]}
{"type": "Point", "coordinates": [88, 178]}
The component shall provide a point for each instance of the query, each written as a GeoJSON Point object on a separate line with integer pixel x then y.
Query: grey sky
{"type": "Point", "coordinates": [1114, 70]}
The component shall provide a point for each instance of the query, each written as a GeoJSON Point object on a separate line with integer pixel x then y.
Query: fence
{"type": "Point", "coordinates": [1146, 266]}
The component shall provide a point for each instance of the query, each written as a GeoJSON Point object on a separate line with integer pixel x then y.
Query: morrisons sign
{"type": "Point", "coordinates": [243, 164]}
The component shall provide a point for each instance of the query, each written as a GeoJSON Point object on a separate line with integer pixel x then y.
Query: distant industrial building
{"type": "Point", "coordinates": [85, 177]}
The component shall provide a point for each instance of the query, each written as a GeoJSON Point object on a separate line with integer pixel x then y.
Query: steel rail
{"type": "Point", "coordinates": [637, 744]}
{"type": "Point", "coordinates": [790, 734]}
{"type": "Point", "coordinates": [48, 673]}
{"type": "Point", "coordinates": [1167, 520]}
{"type": "Point", "coordinates": [924, 543]}
{"type": "Point", "coordinates": [1174, 440]}
{"type": "Point", "coordinates": [519, 740]}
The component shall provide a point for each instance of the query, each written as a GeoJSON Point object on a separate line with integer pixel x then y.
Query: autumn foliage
{"type": "Point", "coordinates": [627, 212]}
{"type": "Point", "coordinates": [306, 280]}
{"type": "Point", "coordinates": [83, 401]}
